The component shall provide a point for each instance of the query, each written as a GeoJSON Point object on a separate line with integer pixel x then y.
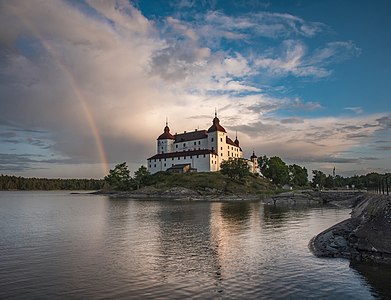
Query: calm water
{"type": "Point", "coordinates": [57, 245]}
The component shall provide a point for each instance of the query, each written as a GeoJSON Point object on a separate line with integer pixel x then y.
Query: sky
{"type": "Point", "coordinates": [85, 85]}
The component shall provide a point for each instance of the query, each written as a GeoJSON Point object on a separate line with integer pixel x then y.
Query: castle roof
{"type": "Point", "coordinates": [183, 153]}
{"type": "Point", "coordinates": [216, 125]}
{"type": "Point", "coordinates": [166, 135]}
{"type": "Point", "coordinates": [190, 136]}
{"type": "Point", "coordinates": [230, 142]}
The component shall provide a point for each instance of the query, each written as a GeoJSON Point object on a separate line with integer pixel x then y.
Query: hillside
{"type": "Point", "coordinates": [208, 183]}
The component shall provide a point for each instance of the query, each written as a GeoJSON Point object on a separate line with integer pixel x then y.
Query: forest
{"type": "Point", "coordinates": [21, 183]}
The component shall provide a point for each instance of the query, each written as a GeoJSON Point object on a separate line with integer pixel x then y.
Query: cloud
{"type": "Point", "coordinates": [74, 78]}
{"type": "Point", "coordinates": [385, 122]}
{"type": "Point", "coordinates": [294, 59]}
{"type": "Point", "coordinates": [266, 24]}
{"type": "Point", "coordinates": [356, 109]}
{"type": "Point", "coordinates": [383, 148]}
{"type": "Point", "coordinates": [292, 120]}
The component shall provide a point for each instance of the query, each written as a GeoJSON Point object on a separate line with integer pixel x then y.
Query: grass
{"type": "Point", "coordinates": [211, 182]}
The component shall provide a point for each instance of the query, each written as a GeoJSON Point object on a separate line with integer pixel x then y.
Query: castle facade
{"type": "Point", "coordinates": [196, 151]}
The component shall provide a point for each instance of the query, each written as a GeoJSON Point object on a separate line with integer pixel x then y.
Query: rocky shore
{"type": "Point", "coordinates": [182, 194]}
{"type": "Point", "coordinates": [365, 236]}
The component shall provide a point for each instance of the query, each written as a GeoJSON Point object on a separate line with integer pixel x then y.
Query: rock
{"type": "Point", "coordinates": [365, 236]}
{"type": "Point", "coordinates": [340, 241]}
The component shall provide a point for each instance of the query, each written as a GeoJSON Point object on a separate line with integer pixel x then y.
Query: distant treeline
{"type": "Point", "coordinates": [20, 183]}
{"type": "Point", "coordinates": [369, 181]}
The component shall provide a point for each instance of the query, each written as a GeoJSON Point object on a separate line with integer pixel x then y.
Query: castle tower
{"type": "Point", "coordinates": [217, 140]}
{"type": "Point", "coordinates": [165, 141]}
{"type": "Point", "coordinates": [254, 160]}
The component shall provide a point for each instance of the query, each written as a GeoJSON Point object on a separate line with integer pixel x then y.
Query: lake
{"type": "Point", "coordinates": [56, 245]}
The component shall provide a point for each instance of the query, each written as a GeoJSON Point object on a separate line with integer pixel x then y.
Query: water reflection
{"type": "Point", "coordinates": [378, 277]}
{"type": "Point", "coordinates": [97, 247]}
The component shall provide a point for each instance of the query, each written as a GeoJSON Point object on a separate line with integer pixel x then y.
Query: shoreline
{"type": "Point", "coordinates": [364, 237]}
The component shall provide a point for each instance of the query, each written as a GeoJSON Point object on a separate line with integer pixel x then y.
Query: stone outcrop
{"type": "Point", "coordinates": [365, 236]}
{"type": "Point", "coordinates": [292, 198]}
{"type": "Point", "coordinates": [342, 198]}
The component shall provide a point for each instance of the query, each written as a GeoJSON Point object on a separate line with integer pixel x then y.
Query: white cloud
{"type": "Point", "coordinates": [356, 109]}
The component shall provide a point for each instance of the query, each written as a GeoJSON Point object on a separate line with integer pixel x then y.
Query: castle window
{"type": "Point", "coordinates": [221, 139]}
{"type": "Point", "coordinates": [221, 154]}
{"type": "Point", "coordinates": [172, 159]}
{"type": "Point", "coordinates": [184, 157]}
{"type": "Point", "coordinates": [164, 164]}
{"type": "Point", "coordinates": [221, 148]}
{"type": "Point", "coordinates": [197, 155]}
{"type": "Point", "coordinates": [179, 158]}
{"type": "Point", "coordinates": [211, 139]}
{"type": "Point", "coordinates": [164, 159]}
{"type": "Point", "coordinates": [162, 148]}
{"type": "Point", "coordinates": [199, 142]}
{"type": "Point", "coordinates": [191, 157]}
{"type": "Point", "coordinates": [172, 165]}
{"type": "Point", "coordinates": [228, 153]}
{"type": "Point", "coordinates": [150, 165]}
{"type": "Point", "coordinates": [195, 143]}
{"type": "Point", "coordinates": [176, 146]}
{"type": "Point", "coordinates": [204, 155]}
{"type": "Point", "coordinates": [154, 165]}
{"type": "Point", "coordinates": [184, 144]}
{"type": "Point", "coordinates": [154, 160]}
{"type": "Point", "coordinates": [212, 148]}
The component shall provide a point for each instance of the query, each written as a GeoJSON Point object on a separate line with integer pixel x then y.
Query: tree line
{"type": "Point", "coordinates": [368, 181]}
{"type": "Point", "coordinates": [21, 183]}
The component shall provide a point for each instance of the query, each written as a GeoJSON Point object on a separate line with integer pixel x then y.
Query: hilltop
{"type": "Point", "coordinates": [165, 184]}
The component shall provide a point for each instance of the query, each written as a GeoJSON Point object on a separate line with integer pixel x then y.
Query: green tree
{"type": "Point", "coordinates": [329, 182]}
{"type": "Point", "coordinates": [263, 164]}
{"type": "Point", "coordinates": [318, 179]}
{"type": "Point", "coordinates": [298, 176]}
{"type": "Point", "coordinates": [236, 168]}
{"type": "Point", "coordinates": [275, 169]}
{"type": "Point", "coordinates": [141, 176]}
{"type": "Point", "coordinates": [119, 177]}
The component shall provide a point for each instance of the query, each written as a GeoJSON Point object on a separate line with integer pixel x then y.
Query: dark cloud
{"type": "Point", "coordinates": [358, 135]}
{"type": "Point", "coordinates": [382, 142]}
{"type": "Point", "coordinates": [37, 142]}
{"type": "Point", "coordinates": [292, 121]}
{"type": "Point", "coordinates": [370, 158]}
{"type": "Point", "coordinates": [383, 148]}
{"type": "Point", "coordinates": [8, 134]}
{"type": "Point", "coordinates": [385, 122]}
{"type": "Point", "coordinates": [325, 159]}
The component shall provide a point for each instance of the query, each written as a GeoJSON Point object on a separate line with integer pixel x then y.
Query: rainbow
{"type": "Point", "coordinates": [76, 90]}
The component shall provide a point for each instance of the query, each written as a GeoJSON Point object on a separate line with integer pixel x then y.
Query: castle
{"type": "Point", "coordinates": [196, 151]}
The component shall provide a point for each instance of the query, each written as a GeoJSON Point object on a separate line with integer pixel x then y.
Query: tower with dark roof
{"type": "Point", "coordinates": [254, 160]}
{"type": "Point", "coordinates": [165, 141]}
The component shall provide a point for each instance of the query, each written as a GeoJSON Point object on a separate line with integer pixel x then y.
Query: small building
{"type": "Point", "coordinates": [181, 168]}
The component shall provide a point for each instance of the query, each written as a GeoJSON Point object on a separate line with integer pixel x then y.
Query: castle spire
{"type": "Point", "coordinates": [215, 112]}
{"type": "Point", "coordinates": [236, 139]}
